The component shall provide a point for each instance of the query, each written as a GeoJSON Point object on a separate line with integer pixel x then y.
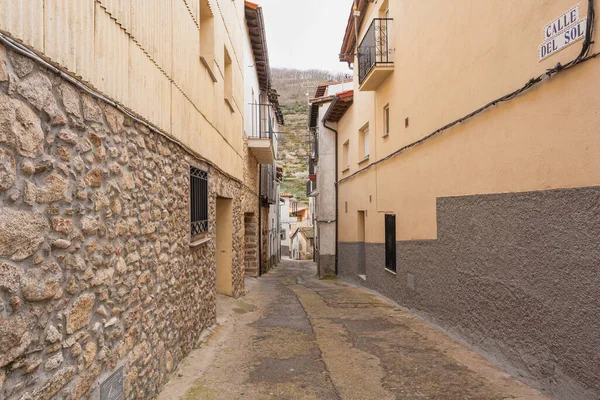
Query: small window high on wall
{"type": "Point", "coordinates": [346, 156]}
{"type": "Point", "coordinates": [228, 86]}
{"type": "Point", "coordinates": [386, 120]}
{"type": "Point", "coordinates": [364, 143]}
{"type": "Point", "coordinates": [207, 37]}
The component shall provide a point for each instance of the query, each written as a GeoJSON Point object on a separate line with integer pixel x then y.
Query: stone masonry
{"type": "Point", "coordinates": [250, 209]}
{"type": "Point", "coordinates": [96, 271]}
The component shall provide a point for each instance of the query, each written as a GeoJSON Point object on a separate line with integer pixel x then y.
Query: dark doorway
{"type": "Point", "coordinates": [362, 268]}
{"type": "Point", "coordinates": [390, 242]}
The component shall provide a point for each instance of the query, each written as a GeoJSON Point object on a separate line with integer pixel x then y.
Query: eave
{"type": "Point", "coordinates": [339, 106]}
{"type": "Point", "coordinates": [349, 43]}
{"type": "Point", "coordinates": [258, 41]}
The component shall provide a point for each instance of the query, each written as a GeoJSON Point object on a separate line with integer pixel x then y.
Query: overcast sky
{"type": "Point", "coordinates": [307, 33]}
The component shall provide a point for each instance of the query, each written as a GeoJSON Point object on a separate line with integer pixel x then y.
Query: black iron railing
{"type": "Point", "coordinates": [374, 48]}
{"type": "Point", "coordinates": [315, 145]}
{"type": "Point", "coordinates": [293, 209]}
{"type": "Point", "coordinates": [268, 184]}
{"type": "Point", "coordinates": [311, 166]}
{"type": "Point", "coordinates": [262, 121]}
{"type": "Point", "coordinates": [198, 201]}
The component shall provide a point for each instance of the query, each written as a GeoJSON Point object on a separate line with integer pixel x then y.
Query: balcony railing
{"type": "Point", "coordinates": [268, 184]}
{"type": "Point", "coordinates": [374, 49]}
{"type": "Point", "coordinates": [262, 121]}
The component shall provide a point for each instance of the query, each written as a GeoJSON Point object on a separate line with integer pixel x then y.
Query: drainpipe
{"type": "Point", "coordinates": [337, 225]}
{"type": "Point", "coordinates": [259, 222]}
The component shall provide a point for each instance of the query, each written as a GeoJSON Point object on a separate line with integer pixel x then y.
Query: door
{"type": "Point", "coordinates": [224, 238]}
{"type": "Point", "coordinates": [390, 242]}
{"type": "Point", "coordinates": [362, 268]}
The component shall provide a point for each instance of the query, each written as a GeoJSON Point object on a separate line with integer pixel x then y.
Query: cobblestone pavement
{"type": "Point", "coordinates": [295, 337]}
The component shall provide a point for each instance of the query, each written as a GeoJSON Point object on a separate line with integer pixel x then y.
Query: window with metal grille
{"type": "Point", "coordinates": [198, 201]}
{"type": "Point", "coordinates": [390, 242]}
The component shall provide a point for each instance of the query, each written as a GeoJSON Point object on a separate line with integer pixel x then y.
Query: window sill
{"type": "Point", "coordinates": [346, 169]}
{"type": "Point", "coordinates": [363, 160]}
{"type": "Point", "coordinates": [390, 271]}
{"type": "Point", "coordinates": [386, 135]}
{"type": "Point", "coordinates": [200, 242]}
{"type": "Point", "coordinates": [209, 68]}
{"type": "Point", "coordinates": [230, 104]}
{"type": "Point", "coordinates": [363, 277]}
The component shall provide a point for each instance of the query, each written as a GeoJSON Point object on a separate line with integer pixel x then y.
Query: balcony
{"type": "Point", "coordinates": [311, 188]}
{"type": "Point", "coordinates": [261, 137]}
{"type": "Point", "coordinates": [268, 182]}
{"type": "Point", "coordinates": [374, 62]}
{"type": "Point", "coordinates": [312, 174]}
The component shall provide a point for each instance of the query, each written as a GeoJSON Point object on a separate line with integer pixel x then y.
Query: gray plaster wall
{"type": "Point", "coordinates": [515, 275]}
{"type": "Point", "coordinates": [326, 187]}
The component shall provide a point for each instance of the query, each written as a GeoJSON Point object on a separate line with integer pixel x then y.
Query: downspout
{"type": "Point", "coordinates": [337, 225]}
{"type": "Point", "coordinates": [259, 222]}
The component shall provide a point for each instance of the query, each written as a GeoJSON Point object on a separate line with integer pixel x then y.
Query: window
{"type": "Point", "coordinates": [207, 37]}
{"type": "Point", "coordinates": [345, 155]}
{"type": "Point", "coordinates": [198, 202]}
{"type": "Point", "coordinates": [228, 80]}
{"type": "Point", "coordinates": [364, 143]}
{"type": "Point", "coordinates": [386, 120]}
{"type": "Point", "coordinates": [390, 242]}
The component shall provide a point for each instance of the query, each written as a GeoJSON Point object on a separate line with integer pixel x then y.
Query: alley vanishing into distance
{"type": "Point", "coordinates": [295, 337]}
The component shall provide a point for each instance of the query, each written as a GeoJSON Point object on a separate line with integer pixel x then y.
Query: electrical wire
{"type": "Point", "coordinates": [581, 58]}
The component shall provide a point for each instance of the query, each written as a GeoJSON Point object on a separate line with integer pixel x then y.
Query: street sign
{"type": "Point", "coordinates": [562, 32]}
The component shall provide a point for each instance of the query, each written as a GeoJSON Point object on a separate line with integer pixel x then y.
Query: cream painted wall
{"type": "Point", "coordinates": [144, 54]}
{"type": "Point", "coordinates": [450, 59]}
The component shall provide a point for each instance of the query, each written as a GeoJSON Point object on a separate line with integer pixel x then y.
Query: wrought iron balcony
{"type": "Point", "coordinates": [261, 137]}
{"type": "Point", "coordinates": [311, 166]}
{"type": "Point", "coordinates": [374, 62]}
{"type": "Point", "coordinates": [268, 184]}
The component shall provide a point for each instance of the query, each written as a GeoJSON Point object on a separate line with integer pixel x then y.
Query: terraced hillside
{"type": "Point", "coordinates": [295, 88]}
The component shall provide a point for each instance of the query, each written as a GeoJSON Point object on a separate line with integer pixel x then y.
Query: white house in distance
{"type": "Point", "coordinates": [288, 208]}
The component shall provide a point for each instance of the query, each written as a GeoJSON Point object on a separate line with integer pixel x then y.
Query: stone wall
{"type": "Point", "coordinates": [250, 208]}
{"type": "Point", "coordinates": [516, 275]}
{"type": "Point", "coordinates": [96, 272]}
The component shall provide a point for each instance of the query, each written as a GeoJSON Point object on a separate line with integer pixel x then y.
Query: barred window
{"type": "Point", "coordinates": [198, 201]}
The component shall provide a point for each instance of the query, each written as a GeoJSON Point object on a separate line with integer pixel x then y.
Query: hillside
{"type": "Point", "coordinates": [295, 87]}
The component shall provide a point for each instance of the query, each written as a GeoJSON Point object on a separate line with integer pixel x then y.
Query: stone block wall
{"type": "Point", "coordinates": [250, 208]}
{"type": "Point", "coordinates": [96, 271]}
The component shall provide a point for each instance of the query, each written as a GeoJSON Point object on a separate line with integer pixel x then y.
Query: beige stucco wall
{"type": "Point", "coordinates": [450, 59]}
{"type": "Point", "coordinates": [145, 54]}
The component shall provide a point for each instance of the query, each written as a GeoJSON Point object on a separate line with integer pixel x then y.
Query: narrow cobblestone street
{"type": "Point", "coordinates": [295, 337]}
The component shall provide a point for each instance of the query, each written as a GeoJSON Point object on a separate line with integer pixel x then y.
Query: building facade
{"type": "Point", "coordinates": [288, 207]}
{"type": "Point", "coordinates": [262, 176]}
{"type": "Point", "coordinates": [123, 189]}
{"type": "Point", "coordinates": [330, 102]}
{"type": "Point", "coordinates": [468, 177]}
{"type": "Point", "coordinates": [302, 243]}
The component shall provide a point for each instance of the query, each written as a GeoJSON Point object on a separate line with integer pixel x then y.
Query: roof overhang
{"type": "Point", "coordinates": [339, 106]}
{"type": "Point", "coordinates": [349, 43]}
{"type": "Point", "coordinates": [258, 41]}
{"type": "Point", "coordinates": [313, 116]}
